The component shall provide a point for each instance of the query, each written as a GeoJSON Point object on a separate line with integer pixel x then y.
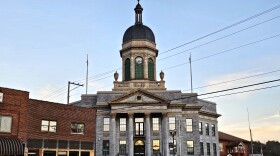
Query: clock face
{"type": "Point", "coordinates": [138, 60]}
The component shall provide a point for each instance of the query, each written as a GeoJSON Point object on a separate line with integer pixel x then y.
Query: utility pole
{"type": "Point", "coordinates": [73, 83]}
{"type": "Point", "coordinates": [250, 134]}
{"type": "Point", "coordinates": [190, 59]}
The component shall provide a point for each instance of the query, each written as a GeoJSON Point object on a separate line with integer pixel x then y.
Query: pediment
{"type": "Point", "coordinates": [138, 96]}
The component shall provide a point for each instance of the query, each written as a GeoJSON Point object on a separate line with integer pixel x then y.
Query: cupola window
{"type": "Point", "coordinates": [127, 69]}
{"type": "Point", "coordinates": [139, 68]}
{"type": "Point", "coordinates": [151, 69]}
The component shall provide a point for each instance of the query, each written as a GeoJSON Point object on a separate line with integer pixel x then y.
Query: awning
{"type": "Point", "coordinates": [11, 146]}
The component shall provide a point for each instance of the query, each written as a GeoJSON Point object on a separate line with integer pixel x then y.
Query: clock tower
{"type": "Point", "coordinates": [138, 55]}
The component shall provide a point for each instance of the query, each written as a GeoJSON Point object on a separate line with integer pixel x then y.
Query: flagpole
{"type": "Point", "coordinates": [250, 133]}
{"type": "Point", "coordinates": [87, 77]}
{"type": "Point", "coordinates": [190, 59]}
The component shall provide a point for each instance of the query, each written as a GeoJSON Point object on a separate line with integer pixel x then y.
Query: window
{"type": "Point", "coordinates": [77, 128]}
{"type": "Point", "coordinates": [201, 148]}
{"type": "Point", "coordinates": [189, 125]}
{"type": "Point", "coordinates": [106, 124]}
{"type": "Point", "coordinates": [172, 123]}
{"type": "Point", "coordinates": [48, 126]}
{"type": "Point", "coordinates": [221, 147]}
{"type": "Point", "coordinates": [139, 68]}
{"type": "Point", "coordinates": [173, 148]}
{"type": "Point", "coordinates": [150, 69]}
{"type": "Point", "coordinates": [213, 130]}
{"type": "Point", "coordinates": [122, 124]}
{"type": "Point", "coordinates": [207, 128]}
{"type": "Point", "coordinates": [122, 147]}
{"type": "Point", "coordinates": [208, 148]}
{"type": "Point", "coordinates": [139, 126]}
{"type": "Point", "coordinates": [200, 128]}
{"type": "Point", "coordinates": [155, 146]}
{"type": "Point", "coordinates": [190, 148]}
{"type": "Point", "coordinates": [5, 124]}
{"type": "Point", "coordinates": [214, 149]}
{"type": "Point", "coordinates": [156, 124]}
{"type": "Point", "coordinates": [106, 147]}
{"type": "Point", "coordinates": [127, 69]}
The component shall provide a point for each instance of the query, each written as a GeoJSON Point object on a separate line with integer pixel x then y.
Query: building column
{"type": "Point", "coordinates": [165, 135]}
{"type": "Point", "coordinates": [132, 68]}
{"type": "Point", "coordinates": [112, 151]}
{"type": "Point", "coordinates": [145, 61]}
{"type": "Point", "coordinates": [148, 134]}
{"type": "Point", "coordinates": [130, 135]}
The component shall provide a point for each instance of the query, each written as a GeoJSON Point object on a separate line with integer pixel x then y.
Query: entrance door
{"type": "Point", "coordinates": [139, 148]}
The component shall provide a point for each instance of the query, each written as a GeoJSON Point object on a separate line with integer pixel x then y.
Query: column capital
{"type": "Point", "coordinates": [113, 115]}
{"type": "Point", "coordinates": [164, 114]}
{"type": "Point", "coordinates": [147, 115]}
{"type": "Point", "coordinates": [130, 115]}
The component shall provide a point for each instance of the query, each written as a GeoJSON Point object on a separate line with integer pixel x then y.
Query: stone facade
{"type": "Point", "coordinates": [140, 116]}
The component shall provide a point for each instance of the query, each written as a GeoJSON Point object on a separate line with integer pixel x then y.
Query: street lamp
{"type": "Point", "coordinates": [173, 133]}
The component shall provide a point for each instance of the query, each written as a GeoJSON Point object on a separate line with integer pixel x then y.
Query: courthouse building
{"type": "Point", "coordinates": [140, 116]}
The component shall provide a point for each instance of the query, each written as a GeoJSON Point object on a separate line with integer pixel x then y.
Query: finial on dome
{"type": "Point", "coordinates": [138, 13]}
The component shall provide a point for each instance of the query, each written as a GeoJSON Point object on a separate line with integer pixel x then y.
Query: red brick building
{"type": "Point", "coordinates": [34, 127]}
{"type": "Point", "coordinates": [13, 121]}
{"type": "Point", "coordinates": [233, 146]}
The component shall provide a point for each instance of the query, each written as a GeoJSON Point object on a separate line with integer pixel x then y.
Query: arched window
{"type": "Point", "coordinates": [151, 69]}
{"type": "Point", "coordinates": [139, 68]}
{"type": "Point", "coordinates": [127, 69]}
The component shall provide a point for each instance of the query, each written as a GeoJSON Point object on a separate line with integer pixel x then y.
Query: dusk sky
{"type": "Point", "coordinates": [43, 45]}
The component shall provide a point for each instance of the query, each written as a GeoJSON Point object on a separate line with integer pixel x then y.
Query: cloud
{"type": "Point", "coordinates": [277, 115]}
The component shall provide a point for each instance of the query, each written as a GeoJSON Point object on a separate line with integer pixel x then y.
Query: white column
{"type": "Point", "coordinates": [166, 135]}
{"type": "Point", "coordinates": [130, 135]}
{"type": "Point", "coordinates": [145, 59]}
{"type": "Point", "coordinates": [148, 134]}
{"type": "Point", "coordinates": [132, 68]}
{"type": "Point", "coordinates": [112, 151]}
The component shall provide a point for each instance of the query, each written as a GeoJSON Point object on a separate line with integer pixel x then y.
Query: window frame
{"type": "Point", "coordinates": [49, 126]}
{"type": "Point", "coordinates": [78, 124]}
{"type": "Point", "coordinates": [122, 147]}
{"type": "Point", "coordinates": [189, 127]}
{"type": "Point", "coordinates": [207, 130]}
{"type": "Point", "coordinates": [190, 149]}
{"type": "Point", "coordinates": [171, 125]}
{"type": "Point", "coordinates": [213, 128]}
{"type": "Point", "coordinates": [200, 128]}
{"type": "Point", "coordinates": [155, 122]}
{"type": "Point", "coordinates": [139, 69]}
{"type": "Point", "coordinates": [151, 69]}
{"type": "Point", "coordinates": [122, 124]}
{"type": "Point", "coordinates": [208, 151]}
{"type": "Point", "coordinates": [10, 124]}
{"type": "Point", "coordinates": [127, 66]}
{"type": "Point", "coordinates": [156, 146]}
{"type": "Point", "coordinates": [214, 149]}
{"type": "Point", "coordinates": [201, 144]}
{"type": "Point", "coordinates": [106, 125]}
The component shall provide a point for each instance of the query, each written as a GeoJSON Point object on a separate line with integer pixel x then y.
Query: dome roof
{"type": "Point", "coordinates": [138, 31]}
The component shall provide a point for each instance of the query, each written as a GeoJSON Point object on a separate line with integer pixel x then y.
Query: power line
{"type": "Point", "coordinates": [225, 51]}
{"type": "Point", "coordinates": [225, 28]}
{"type": "Point", "coordinates": [242, 78]}
{"type": "Point", "coordinates": [242, 92]}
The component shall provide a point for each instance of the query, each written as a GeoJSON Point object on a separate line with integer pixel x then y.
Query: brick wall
{"type": "Point", "coordinates": [64, 115]}
{"type": "Point", "coordinates": [15, 104]}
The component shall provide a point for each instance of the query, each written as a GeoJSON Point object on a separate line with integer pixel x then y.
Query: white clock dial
{"type": "Point", "coordinates": [139, 60]}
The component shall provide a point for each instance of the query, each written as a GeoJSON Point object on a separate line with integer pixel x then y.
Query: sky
{"type": "Point", "coordinates": [44, 44]}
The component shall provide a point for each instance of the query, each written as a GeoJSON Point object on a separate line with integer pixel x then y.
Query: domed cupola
{"type": "Point", "coordinates": [138, 55]}
{"type": "Point", "coordinates": [138, 31]}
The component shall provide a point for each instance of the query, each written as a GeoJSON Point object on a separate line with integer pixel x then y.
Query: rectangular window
{"type": "Point", "coordinates": [106, 124]}
{"type": "Point", "coordinates": [208, 148]}
{"type": "Point", "coordinates": [5, 124]}
{"type": "Point", "coordinates": [172, 123]}
{"type": "Point", "coordinates": [106, 148]}
{"type": "Point", "coordinates": [189, 125]}
{"type": "Point", "coordinates": [77, 128]}
{"type": "Point", "coordinates": [200, 128]}
{"type": "Point", "coordinates": [122, 147]}
{"type": "Point", "coordinates": [190, 147]}
{"type": "Point", "coordinates": [201, 148]}
{"type": "Point", "coordinates": [207, 128]}
{"type": "Point", "coordinates": [139, 126]}
{"type": "Point", "coordinates": [48, 126]}
{"type": "Point", "coordinates": [156, 124]}
{"type": "Point", "coordinates": [156, 147]}
{"type": "Point", "coordinates": [221, 147]}
{"type": "Point", "coordinates": [213, 130]}
{"type": "Point", "coordinates": [214, 149]}
{"type": "Point", "coordinates": [173, 148]}
{"type": "Point", "coordinates": [122, 124]}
